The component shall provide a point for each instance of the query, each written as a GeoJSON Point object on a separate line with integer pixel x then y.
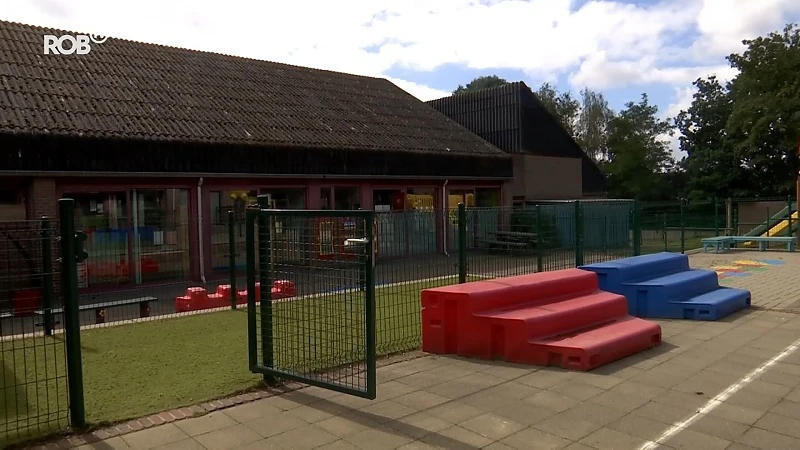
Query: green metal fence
{"type": "Point", "coordinates": [319, 329]}
{"type": "Point", "coordinates": [33, 383]}
{"type": "Point", "coordinates": [138, 343]}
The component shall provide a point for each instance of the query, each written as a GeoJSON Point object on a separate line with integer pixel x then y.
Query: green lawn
{"type": "Point", "coordinates": [138, 369]}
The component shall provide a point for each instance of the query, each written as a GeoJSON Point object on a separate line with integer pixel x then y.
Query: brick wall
{"type": "Point", "coordinates": [42, 199]}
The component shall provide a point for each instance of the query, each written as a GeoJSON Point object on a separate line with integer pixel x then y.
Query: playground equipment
{"type": "Point", "coordinates": [775, 226]}
{"type": "Point", "coordinates": [198, 298]}
{"type": "Point", "coordinates": [662, 285]}
{"type": "Point", "coordinates": [556, 318]}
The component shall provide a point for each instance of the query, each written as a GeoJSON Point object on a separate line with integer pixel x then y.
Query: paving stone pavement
{"type": "Point", "coordinates": [456, 403]}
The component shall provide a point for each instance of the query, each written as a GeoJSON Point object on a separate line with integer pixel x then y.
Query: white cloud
{"type": "Point", "coordinates": [602, 44]}
{"type": "Point", "coordinates": [723, 24]}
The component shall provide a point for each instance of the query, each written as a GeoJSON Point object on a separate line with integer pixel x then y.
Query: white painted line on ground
{"type": "Point", "coordinates": [227, 308]}
{"type": "Point", "coordinates": [716, 401]}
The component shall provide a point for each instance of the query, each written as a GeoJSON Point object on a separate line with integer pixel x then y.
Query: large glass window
{"type": "Point", "coordinates": [161, 234]}
{"type": "Point", "coordinates": [12, 204]}
{"type": "Point", "coordinates": [103, 217]}
{"type": "Point", "coordinates": [388, 200]}
{"type": "Point", "coordinates": [487, 197]}
{"type": "Point", "coordinates": [347, 198]}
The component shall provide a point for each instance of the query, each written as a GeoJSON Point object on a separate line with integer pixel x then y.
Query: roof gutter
{"type": "Point", "coordinates": [55, 173]}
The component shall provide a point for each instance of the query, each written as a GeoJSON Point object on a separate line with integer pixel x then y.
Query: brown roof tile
{"type": "Point", "coordinates": [131, 90]}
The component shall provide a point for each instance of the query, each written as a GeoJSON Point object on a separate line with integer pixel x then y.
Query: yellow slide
{"type": "Point", "coordinates": [780, 228]}
{"type": "Point", "coordinates": [777, 230]}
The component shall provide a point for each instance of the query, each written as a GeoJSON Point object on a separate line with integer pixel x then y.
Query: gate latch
{"type": "Point", "coordinates": [356, 241]}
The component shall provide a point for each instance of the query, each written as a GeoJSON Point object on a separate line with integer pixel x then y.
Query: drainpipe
{"type": "Point", "coordinates": [200, 229]}
{"type": "Point", "coordinates": [445, 216]}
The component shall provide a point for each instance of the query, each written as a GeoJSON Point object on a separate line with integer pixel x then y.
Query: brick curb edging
{"type": "Point", "coordinates": [188, 412]}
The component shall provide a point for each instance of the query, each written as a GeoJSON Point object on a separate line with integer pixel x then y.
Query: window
{"type": "Point", "coordinates": [347, 198]}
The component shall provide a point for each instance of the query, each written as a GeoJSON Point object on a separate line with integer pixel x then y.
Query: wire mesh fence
{"type": "Point", "coordinates": [33, 381]}
{"type": "Point", "coordinates": [315, 319]}
{"type": "Point", "coordinates": [170, 323]}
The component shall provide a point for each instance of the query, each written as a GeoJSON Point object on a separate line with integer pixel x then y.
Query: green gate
{"type": "Point", "coordinates": [315, 321]}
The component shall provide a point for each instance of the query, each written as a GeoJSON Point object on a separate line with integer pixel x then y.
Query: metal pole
{"type": "Point", "coordinates": [539, 262]}
{"type": "Point", "coordinates": [578, 234]}
{"type": "Point", "coordinates": [683, 226]}
{"type": "Point", "coordinates": [371, 308]}
{"type": "Point", "coordinates": [265, 280]}
{"type": "Point", "coordinates": [47, 278]}
{"type": "Point", "coordinates": [462, 243]}
{"type": "Point", "coordinates": [232, 256]}
{"type": "Point", "coordinates": [637, 229]}
{"type": "Point", "coordinates": [250, 249]}
{"type": "Point", "coordinates": [72, 329]}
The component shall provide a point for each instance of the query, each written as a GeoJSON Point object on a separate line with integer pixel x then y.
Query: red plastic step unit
{"type": "Point", "coordinates": [197, 298]}
{"type": "Point", "coordinates": [551, 318]}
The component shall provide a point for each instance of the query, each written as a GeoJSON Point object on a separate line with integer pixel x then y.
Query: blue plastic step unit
{"type": "Point", "coordinates": [612, 274]}
{"type": "Point", "coordinates": [712, 305]}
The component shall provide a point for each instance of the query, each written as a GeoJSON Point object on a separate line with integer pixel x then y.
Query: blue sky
{"type": "Point", "coordinates": [428, 47]}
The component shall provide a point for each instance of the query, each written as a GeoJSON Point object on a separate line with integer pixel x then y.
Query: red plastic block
{"type": "Point", "coordinates": [217, 301]}
{"type": "Point", "coordinates": [195, 298]}
{"type": "Point", "coordinates": [242, 295]}
{"type": "Point", "coordinates": [282, 289]}
{"type": "Point", "coordinates": [520, 319]}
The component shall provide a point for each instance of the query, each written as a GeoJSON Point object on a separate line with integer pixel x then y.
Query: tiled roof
{"type": "Point", "coordinates": [131, 90]}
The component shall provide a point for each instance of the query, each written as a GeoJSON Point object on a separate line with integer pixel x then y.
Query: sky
{"type": "Point", "coordinates": [622, 48]}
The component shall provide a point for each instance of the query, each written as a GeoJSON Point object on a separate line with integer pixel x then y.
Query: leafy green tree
{"type": "Point", "coordinates": [639, 158]}
{"type": "Point", "coordinates": [711, 164]}
{"type": "Point", "coordinates": [764, 124]}
{"type": "Point", "coordinates": [591, 131]}
{"type": "Point", "coordinates": [741, 139]}
{"type": "Point", "coordinates": [483, 82]}
{"type": "Point", "coordinates": [562, 105]}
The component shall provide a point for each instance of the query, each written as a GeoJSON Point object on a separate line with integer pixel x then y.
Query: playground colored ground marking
{"type": "Point", "coordinates": [743, 268]}
{"type": "Point", "coordinates": [721, 397]}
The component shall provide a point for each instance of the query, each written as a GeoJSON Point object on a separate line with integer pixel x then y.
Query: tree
{"type": "Point", "coordinates": [764, 124]}
{"type": "Point", "coordinates": [711, 165]}
{"type": "Point", "coordinates": [639, 158]}
{"type": "Point", "coordinates": [561, 105]}
{"type": "Point", "coordinates": [741, 139]}
{"type": "Point", "coordinates": [593, 123]}
{"type": "Point", "coordinates": [483, 82]}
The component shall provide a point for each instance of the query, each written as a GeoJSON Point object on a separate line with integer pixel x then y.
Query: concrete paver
{"type": "Point", "coordinates": [450, 402]}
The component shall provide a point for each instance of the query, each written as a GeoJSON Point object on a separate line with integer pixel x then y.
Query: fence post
{"type": "Point", "coordinates": [232, 256]}
{"type": "Point", "coordinates": [789, 218]}
{"type": "Point", "coordinates": [664, 233]}
{"type": "Point", "coordinates": [539, 249]}
{"type": "Point", "coordinates": [47, 278]}
{"type": "Point", "coordinates": [716, 216]}
{"type": "Point", "coordinates": [265, 282]}
{"type": "Point", "coordinates": [683, 226]}
{"type": "Point", "coordinates": [729, 217]}
{"type": "Point", "coordinates": [72, 328]}
{"type": "Point", "coordinates": [250, 255]}
{"type": "Point", "coordinates": [578, 234]}
{"type": "Point", "coordinates": [769, 226]}
{"type": "Point", "coordinates": [462, 243]}
{"type": "Point", "coordinates": [637, 228]}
